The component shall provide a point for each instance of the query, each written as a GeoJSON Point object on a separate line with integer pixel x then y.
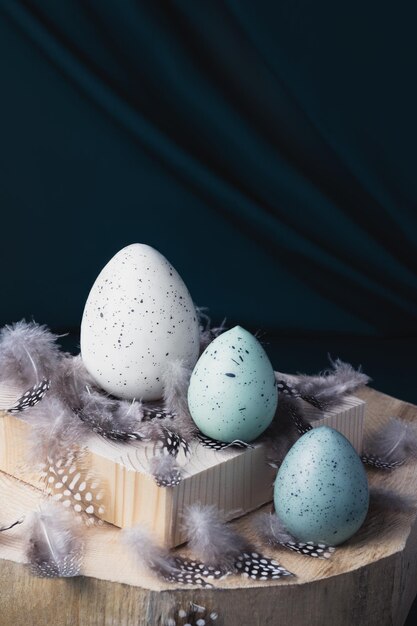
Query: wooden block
{"type": "Point", "coordinates": [235, 481]}
{"type": "Point", "coordinates": [348, 418]}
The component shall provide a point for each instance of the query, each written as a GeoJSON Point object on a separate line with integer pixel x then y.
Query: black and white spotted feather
{"type": "Point", "coordinates": [214, 444]}
{"type": "Point", "coordinates": [300, 423]}
{"type": "Point", "coordinates": [174, 444]}
{"type": "Point", "coordinates": [391, 446]}
{"type": "Point", "coordinates": [69, 481]}
{"type": "Point", "coordinates": [151, 412]}
{"type": "Point", "coordinates": [286, 388]}
{"type": "Point", "coordinates": [12, 525]}
{"type": "Point", "coordinates": [218, 545]}
{"type": "Point", "coordinates": [165, 470]}
{"type": "Point", "coordinates": [54, 544]}
{"type": "Point", "coordinates": [272, 531]}
{"type": "Point", "coordinates": [159, 560]}
{"type": "Point", "coordinates": [31, 397]}
{"type": "Point", "coordinates": [192, 615]}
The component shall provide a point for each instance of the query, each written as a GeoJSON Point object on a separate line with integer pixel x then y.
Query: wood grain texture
{"type": "Point", "coordinates": [236, 481]}
{"type": "Point", "coordinates": [370, 580]}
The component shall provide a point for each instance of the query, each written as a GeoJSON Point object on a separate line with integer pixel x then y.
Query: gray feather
{"type": "Point", "coordinates": [176, 379]}
{"type": "Point", "coordinates": [330, 386]}
{"type": "Point", "coordinates": [165, 470]}
{"type": "Point", "coordinates": [54, 545]}
{"type": "Point", "coordinates": [28, 353]}
{"type": "Point", "coordinates": [271, 530]}
{"type": "Point", "coordinates": [158, 559]}
{"type": "Point", "coordinates": [207, 332]}
{"type": "Point", "coordinates": [215, 543]}
{"type": "Point", "coordinates": [393, 444]}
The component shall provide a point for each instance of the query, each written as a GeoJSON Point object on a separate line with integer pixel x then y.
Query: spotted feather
{"type": "Point", "coordinates": [75, 488]}
{"type": "Point", "coordinates": [300, 423]}
{"type": "Point", "coordinates": [31, 397]}
{"type": "Point", "coordinates": [259, 567]}
{"type": "Point", "coordinates": [111, 433]}
{"type": "Point", "coordinates": [378, 463]}
{"type": "Point", "coordinates": [213, 444]}
{"type": "Point", "coordinates": [316, 550]}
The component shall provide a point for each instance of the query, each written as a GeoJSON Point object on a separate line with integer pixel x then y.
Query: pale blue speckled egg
{"type": "Point", "coordinates": [233, 392]}
{"type": "Point", "coordinates": [321, 490]}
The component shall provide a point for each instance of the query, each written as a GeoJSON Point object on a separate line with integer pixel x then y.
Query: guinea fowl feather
{"type": "Point", "coordinates": [158, 559]}
{"type": "Point", "coordinates": [223, 549]}
{"type": "Point", "coordinates": [54, 545]}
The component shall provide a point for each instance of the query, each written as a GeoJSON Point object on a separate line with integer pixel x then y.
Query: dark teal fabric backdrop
{"type": "Point", "coordinates": [268, 149]}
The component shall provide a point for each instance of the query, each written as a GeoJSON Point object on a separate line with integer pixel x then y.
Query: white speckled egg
{"type": "Point", "coordinates": [233, 392]}
{"type": "Point", "coordinates": [321, 490]}
{"type": "Point", "coordinates": [138, 316]}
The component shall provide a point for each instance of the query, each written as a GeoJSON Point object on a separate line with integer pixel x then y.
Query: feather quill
{"type": "Point", "coordinates": [16, 523]}
{"type": "Point", "coordinates": [158, 559]}
{"type": "Point", "coordinates": [54, 546]}
{"type": "Point", "coordinates": [392, 445]}
{"type": "Point", "coordinates": [28, 353]}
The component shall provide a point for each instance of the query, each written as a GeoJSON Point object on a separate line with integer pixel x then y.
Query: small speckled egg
{"type": "Point", "coordinates": [321, 490]}
{"type": "Point", "coordinates": [233, 392]}
{"type": "Point", "coordinates": [138, 316]}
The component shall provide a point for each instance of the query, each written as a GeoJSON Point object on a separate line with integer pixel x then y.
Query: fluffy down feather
{"type": "Point", "coordinates": [71, 380]}
{"type": "Point", "coordinates": [207, 333]}
{"type": "Point", "coordinates": [213, 541]}
{"type": "Point", "coordinates": [272, 531]}
{"type": "Point", "coordinates": [165, 470]}
{"type": "Point", "coordinates": [221, 548]}
{"type": "Point", "coordinates": [28, 353]}
{"type": "Point", "coordinates": [392, 445]}
{"type": "Point", "coordinates": [55, 428]}
{"type": "Point", "coordinates": [54, 545]}
{"type": "Point", "coordinates": [158, 559]}
{"type": "Point", "coordinates": [329, 387]}
{"type": "Point", "coordinates": [176, 379]}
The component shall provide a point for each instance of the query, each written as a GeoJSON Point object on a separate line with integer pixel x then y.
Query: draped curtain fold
{"type": "Point", "coordinates": [268, 149]}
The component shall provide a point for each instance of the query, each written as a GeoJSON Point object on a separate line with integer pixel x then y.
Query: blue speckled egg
{"type": "Point", "coordinates": [321, 490]}
{"type": "Point", "coordinates": [233, 392]}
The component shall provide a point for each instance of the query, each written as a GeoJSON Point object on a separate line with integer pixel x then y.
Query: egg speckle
{"type": "Point", "coordinates": [138, 315]}
{"type": "Point", "coordinates": [321, 491]}
{"type": "Point", "coordinates": [233, 392]}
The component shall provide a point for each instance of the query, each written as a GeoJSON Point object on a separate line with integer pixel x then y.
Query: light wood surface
{"type": "Point", "coordinates": [371, 580]}
{"type": "Point", "coordinates": [236, 481]}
